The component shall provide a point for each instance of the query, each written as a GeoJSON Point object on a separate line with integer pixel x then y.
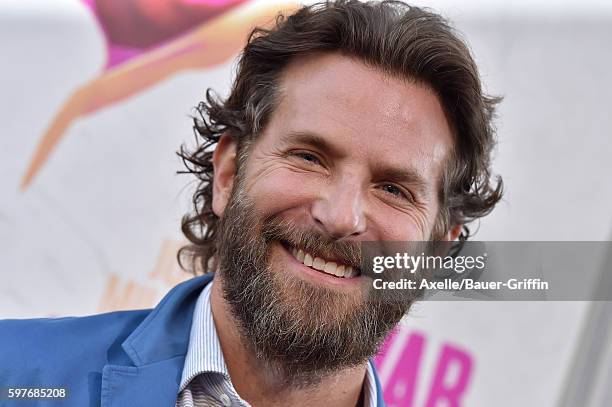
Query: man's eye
{"type": "Point", "coordinates": [395, 191]}
{"type": "Point", "coordinates": [311, 158]}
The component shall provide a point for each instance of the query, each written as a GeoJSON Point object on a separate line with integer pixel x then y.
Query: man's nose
{"type": "Point", "coordinates": [339, 211]}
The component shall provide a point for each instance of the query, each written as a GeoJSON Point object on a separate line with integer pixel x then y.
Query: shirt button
{"type": "Point", "coordinates": [225, 400]}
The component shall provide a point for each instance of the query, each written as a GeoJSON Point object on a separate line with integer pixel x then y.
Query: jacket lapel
{"type": "Point", "coordinates": [151, 385]}
{"type": "Point", "coordinates": [156, 350]}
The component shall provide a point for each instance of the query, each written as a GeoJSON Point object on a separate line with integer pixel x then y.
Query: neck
{"type": "Point", "coordinates": [261, 383]}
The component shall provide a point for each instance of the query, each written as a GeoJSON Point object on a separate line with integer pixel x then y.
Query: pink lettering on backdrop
{"type": "Point", "coordinates": [399, 368]}
{"type": "Point", "coordinates": [442, 388]}
{"type": "Point", "coordinates": [399, 362]}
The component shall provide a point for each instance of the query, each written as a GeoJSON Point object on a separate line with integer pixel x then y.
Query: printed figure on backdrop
{"type": "Point", "coordinates": [146, 42]}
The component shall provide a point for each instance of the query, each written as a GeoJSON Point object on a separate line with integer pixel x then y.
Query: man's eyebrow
{"type": "Point", "coordinates": [312, 139]}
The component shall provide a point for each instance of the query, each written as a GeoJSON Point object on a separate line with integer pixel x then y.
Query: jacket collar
{"type": "Point", "coordinates": [164, 333]}
{"type": "Point", "coordinates": [157, 349]}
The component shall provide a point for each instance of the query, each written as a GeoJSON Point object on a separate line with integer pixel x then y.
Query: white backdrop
{"type": "Point", "coordinates": [99, 226]}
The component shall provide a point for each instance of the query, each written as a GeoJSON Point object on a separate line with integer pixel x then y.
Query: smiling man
{"type": "Point", "coordinates": [348, 122]}
{"type": "Point", "coordinates": [288, 300]}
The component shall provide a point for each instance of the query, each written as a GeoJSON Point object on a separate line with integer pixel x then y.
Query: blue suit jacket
{"type": "Point", "coordinates": [126, 358]}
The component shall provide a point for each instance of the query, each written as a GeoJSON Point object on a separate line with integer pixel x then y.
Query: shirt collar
{"type": "Point", "coordinates": [204, 354]}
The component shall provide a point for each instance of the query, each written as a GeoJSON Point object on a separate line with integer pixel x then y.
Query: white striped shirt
{"type": "Point", "coordinates": [205, 380]}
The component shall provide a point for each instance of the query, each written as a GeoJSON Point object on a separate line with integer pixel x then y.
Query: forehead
{"type": "Point", "coordinates": [367, 111]}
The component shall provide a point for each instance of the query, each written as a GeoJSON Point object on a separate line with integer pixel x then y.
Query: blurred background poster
{"type": "Point", "coordinates": [95, 98]}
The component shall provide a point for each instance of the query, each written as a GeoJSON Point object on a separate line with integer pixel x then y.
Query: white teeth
{"type": "Point", "coordinates": [308, 260]}
{"type": "Point", "coordinates": [329, 267]}
{"type": "Point", "coordinates": [318, 263]}
{"type": "Point", "coordinates": [340, 270]}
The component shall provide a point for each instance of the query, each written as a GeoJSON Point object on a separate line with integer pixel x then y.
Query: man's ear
{"type": "Point", "coordinates": [453, 233]}
{"type": "Point", "coordinates": [224, 164]}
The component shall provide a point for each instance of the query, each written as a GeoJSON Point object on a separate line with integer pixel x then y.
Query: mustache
{"type": "Point", "coordinates": [312, 241]}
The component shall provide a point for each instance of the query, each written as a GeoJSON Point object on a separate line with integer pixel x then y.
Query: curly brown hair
{"type": "Point", "coordinates": [401, 40]}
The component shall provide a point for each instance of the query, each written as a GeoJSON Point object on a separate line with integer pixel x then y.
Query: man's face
{"type": "Point", "coordinates": [349, 155]}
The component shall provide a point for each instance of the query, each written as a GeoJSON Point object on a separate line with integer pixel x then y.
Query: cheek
{"type": "Point", "coordinates": [283, 189]}
{"type": "Point", "coordinates": [404, 229]}
{"type": "Point", "coordinates": [411, 225]}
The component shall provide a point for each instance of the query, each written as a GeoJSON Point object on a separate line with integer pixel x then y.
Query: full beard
{"type": "Point", "coordinates": [300, 331]}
